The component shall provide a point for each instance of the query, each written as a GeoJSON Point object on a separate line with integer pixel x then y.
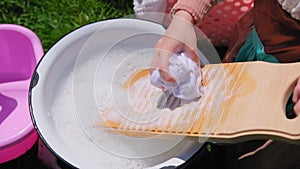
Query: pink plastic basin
{"type": "Point", "coordinates": [20, 50]}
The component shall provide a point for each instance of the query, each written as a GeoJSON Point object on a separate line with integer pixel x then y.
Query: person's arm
{"type": "Point", "coordinates": [296, 97]}
{"type": "Point", "coordinates": [180, 35]}
{"type": "Point", "coordinates": [196, 8]}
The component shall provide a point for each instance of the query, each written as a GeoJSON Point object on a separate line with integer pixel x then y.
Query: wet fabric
{"type": "Point", "coordinates": [187, 77]}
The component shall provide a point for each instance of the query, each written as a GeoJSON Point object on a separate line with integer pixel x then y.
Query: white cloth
{"type": "Point", "coordinates": [187, 75]}
{"type": "Point", "coordinates": [143, 6]}
{"type": "Point", "coordinates": [151, 10]}
{"type": "Point", "coordinates": [292, 7]}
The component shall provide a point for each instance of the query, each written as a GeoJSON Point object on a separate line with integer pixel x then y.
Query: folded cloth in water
{"type": "Point", "coordinates": [187, 77]}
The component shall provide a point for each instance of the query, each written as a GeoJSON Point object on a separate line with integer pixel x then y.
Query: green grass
{"type": "Point", "coordinates": [52, 19]}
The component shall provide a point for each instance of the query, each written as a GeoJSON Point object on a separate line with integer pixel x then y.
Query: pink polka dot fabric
{"type": "Point", "coordinates": [219, 23]}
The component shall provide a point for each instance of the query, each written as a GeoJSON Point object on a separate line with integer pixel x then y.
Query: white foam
{"type": "Point", "coordinates": [103, 148]}
{"type": "Point", "coordinates": [68, 127]}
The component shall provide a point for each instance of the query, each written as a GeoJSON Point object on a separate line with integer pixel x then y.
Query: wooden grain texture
{"type": "Point", "coordinates": [242, 101]}
{"type": "Point", "coordinates": [258, 106]}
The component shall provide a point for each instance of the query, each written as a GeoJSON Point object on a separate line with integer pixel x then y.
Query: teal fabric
{"type": "Point", "coordinates": [253, 50]}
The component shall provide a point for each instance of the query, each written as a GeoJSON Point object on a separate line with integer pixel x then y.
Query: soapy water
{"type": "Point", "coordinates": [105, 148]}
{"type": "Point", "coordinates": [98, 85]}
{"type": "Point", "coordinates": [107, 94]}
{"type": "Point", "coordinates": [113, 146]}
{"type": "Point", "coordinates": [135, 98]}
{"type": "Point", "coordinates": [94, 88]}
{"type": "Point", "coordinates": [69, 129]}
{"type": "Point", "coordinates": [116, 151]}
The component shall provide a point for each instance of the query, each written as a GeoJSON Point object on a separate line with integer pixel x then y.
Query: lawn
{"type": "Point", "coordinates": [52, 19]}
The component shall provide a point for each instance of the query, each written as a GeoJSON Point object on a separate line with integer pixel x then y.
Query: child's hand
{"type": "Point", "coordinates": [179, 37]}
{"type": "Point", "coordinates": [296, 97]}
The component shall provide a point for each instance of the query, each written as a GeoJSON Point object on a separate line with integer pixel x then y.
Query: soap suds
{"type": "Point", "coordinates": [106, 148]}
